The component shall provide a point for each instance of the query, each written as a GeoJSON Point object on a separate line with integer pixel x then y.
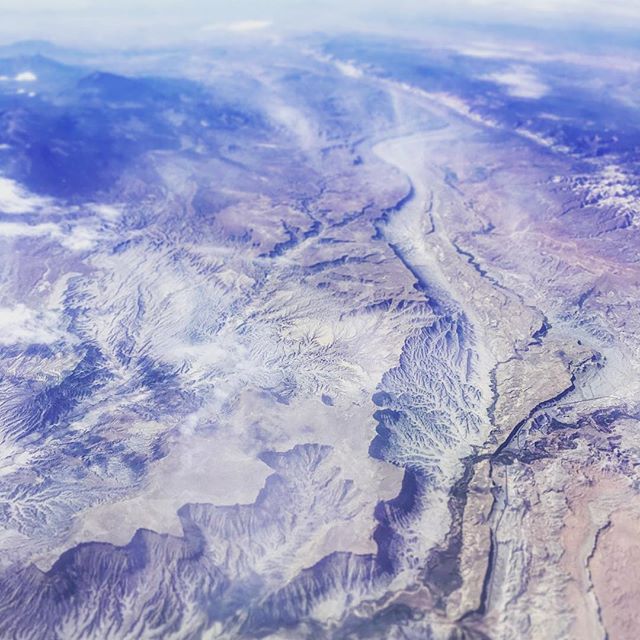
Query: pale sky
{"type": "Point", "coordinates": [122, 22]}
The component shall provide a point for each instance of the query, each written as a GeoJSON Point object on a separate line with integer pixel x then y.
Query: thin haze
{"type": "Point", "coordinates": [142, 22]}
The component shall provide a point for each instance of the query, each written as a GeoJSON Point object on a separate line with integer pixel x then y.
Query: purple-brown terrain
{"type": "Point", "coordinates": [322, 337]}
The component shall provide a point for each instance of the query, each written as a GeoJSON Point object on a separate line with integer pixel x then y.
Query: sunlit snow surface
{"type": "Point", "coordinates": [335, 338]}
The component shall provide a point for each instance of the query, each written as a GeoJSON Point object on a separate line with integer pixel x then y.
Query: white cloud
{"type": "Point", "coordinates": [80, 239]}
{"type": "Point", "coordinates": [107, 211]}
{"type": "Point", "coordinates": [24, 230]}
{"type": "Point", "coordinates": [240, 26]}
{"type": "Point", "coordinates": [520, 82]}
{"type": "Point", "coordinates": [26, 76]}
{"type": "Point", "coordinates": [348, 69]}
{"type": "Point", "coordinates": [15, 199]}
{"type": "Point", "coordinates": [21, 324]}
{"type": "Point", "coordinates": [295, 121]}
{"type": "Point", "coordinates": [249, 25]}
{"type": "Point", "coordinates": [77, 239]}
{"type": "Point", "coordinates": [618, 61]}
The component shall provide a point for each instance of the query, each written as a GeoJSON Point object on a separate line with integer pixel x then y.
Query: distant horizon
{"type": "Point", "coordinates": [143, 24]}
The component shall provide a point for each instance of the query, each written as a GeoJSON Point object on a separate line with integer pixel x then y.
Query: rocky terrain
{"type": "Point", "coordinates": [330, 339]}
